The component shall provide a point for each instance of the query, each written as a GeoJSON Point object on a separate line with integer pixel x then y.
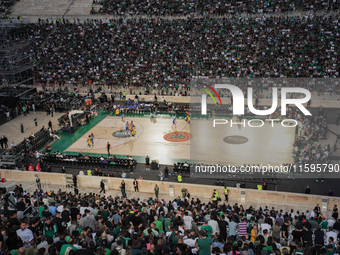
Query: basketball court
{"type": "Point", "coordinates": [241, 144]}
{"type": "Point", "coordinates": [198, 142]}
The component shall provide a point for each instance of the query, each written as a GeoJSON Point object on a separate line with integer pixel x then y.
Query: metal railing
{"type": "Point", "coordinates": [24, 213]}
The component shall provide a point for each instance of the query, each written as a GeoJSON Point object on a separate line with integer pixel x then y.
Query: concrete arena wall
{"type": "Point", "coordinates": [281, 200]}
{"type": "Point", "coordinates": [28, 177]}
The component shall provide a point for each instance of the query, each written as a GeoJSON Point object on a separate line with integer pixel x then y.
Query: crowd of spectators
{"type": "Point", "coordinates": [98, 224]}
{"type": "Point", "coordinates": [307, 150]}
{"type": "Point", "coordinates": [211, 7]}
{"type": "Point", "coordinates": [5, 6]}
{"type": "Point", "coordinates": [167, 53]}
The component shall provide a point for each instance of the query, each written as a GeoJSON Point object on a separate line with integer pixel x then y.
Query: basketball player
{"type": "Point", "coordinates": [130, 127]}
{"type": "Point", "coordinates": [89, 141]}
{"type": "Point", "coordinates": [174, 123]}
{"type": "Point", "coordinates": [127, 127]}
{"type": "Point", "coordinates": [117, 112]}
{"type": "Point", "coordinates": [123, 117]}
{"type": "Point", "coordinates": [187, 119]}
{"type": "Point", "coordinates": [92, 137]}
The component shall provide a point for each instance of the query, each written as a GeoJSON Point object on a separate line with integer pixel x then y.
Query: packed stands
{"type": "Point", "coordinates": [5, 6]}
{"type": "Point", "coordinates": [93, 223]}
{"type": "Point", "coordinates": [167, 53]}
{"type": "Point", "coordinates": [200, 7]}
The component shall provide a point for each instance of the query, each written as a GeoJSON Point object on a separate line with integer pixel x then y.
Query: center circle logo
{"type": "Point", "coordinates": [121, 134]}
{"type": "Point", "coordinates": [235, 139]}
{"type": "Point", "coordinates": [177, 137]}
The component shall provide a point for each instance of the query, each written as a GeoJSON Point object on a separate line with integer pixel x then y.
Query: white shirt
{"type": "Point", "coordinates": [312, 214]}
{"type": "Point", "coordinates": [187, 222]}
{"type": "Point", "coordinates": [60, 208]}
{"type": "Point", "coordinates": [214, 225]}
{"type": "Point", "coordinates": [82, 210]}
{"type": "Point", "coordinates": [331, 234]}
{"type": "Point", "coordinates": [81, 172]}
{"type": "Point", "coordinates": [190, 242]}
{"type": "Point", "coordinates": [42, 245]}
{"type": "Point", "coordinates": [26, 235]}
{"type": "Point", "coordinates": [181, 231]}
{"type": "Point", "coordinates": [265, 226]}
{"type": "Point", "coordinates": [45, 201]}
{"type": "Point", "coordinates": [331, 223]}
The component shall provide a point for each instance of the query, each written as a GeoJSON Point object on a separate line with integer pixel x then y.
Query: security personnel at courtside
{"type": "Point", "coordinates": [226, 193]}
{"type": "Point", "coordinates": [89, 172]}
{"type": "Point", "coordinates": [259, 187]}
{"type": "Point", "coordinates": [179, 178]}
{"type": "Point", "coordinates": [215, 196]}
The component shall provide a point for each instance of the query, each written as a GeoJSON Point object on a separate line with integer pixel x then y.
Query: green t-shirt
{"type": "Point", "coordinates": [125, 241]}
{"type": "Point", "coordinates": [328, 252]}
{"type": "Point", "coordinates": [116, 231]}
{"type": "Point", "coordinates": [174, 220]}
{"type": "Point", "coordinates": [167, 225]}
{"type": "Point", "coordinates": [208, 229]}
{"type": "Point", "coordinates": [298, 251]}
{"type": "Point", "coordinates": [161, 219]}
{"type": "Point", "coordinates": [324, 224]}
{"type": "Point", "coordinates": [268, 249]}
{"type": "Point", "coordinates": [14, 252]}
{"type": "Point", "coordinates": [251, 226]}
{"type": "Point", "coordinates": [107, 251]}
{"type": "Point", "coordinates": [105, 214]}
{"type": "Point", "coordinates": [64, 247]}
{"type": "Point", "coordinates": [41, 209]}
{"type": "Point", "coordinates": [158, 224]}
{"type": "Point", "coordinates": [50, 232]}
{"type": "Point", "coordinates": [135, 251]}
{"type": "Point", "coordinates": [204, 245]}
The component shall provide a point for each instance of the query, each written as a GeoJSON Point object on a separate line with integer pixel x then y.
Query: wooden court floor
{"type": "Point", "coordinates": [198, 141]}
